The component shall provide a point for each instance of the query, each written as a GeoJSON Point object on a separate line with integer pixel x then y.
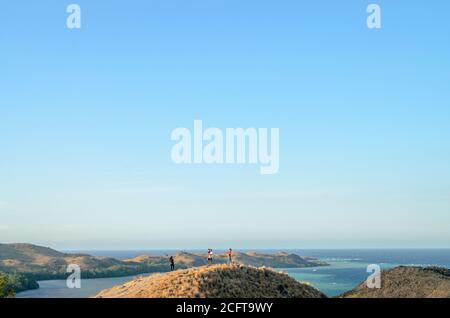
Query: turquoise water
{"type": "Point", "coordinates": [333, 280]}
{"type": "Point", "coordinates": [347, 269]}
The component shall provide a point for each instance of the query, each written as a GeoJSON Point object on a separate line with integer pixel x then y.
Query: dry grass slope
{"type": "Point", "coordinates": [407, 282]}
{"type": "Point", "coordinates": [218, 281]}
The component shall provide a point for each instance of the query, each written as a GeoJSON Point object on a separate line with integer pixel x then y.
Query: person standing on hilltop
{"type": "Point", "coordinates": [210, 256]}
{"type": "Point", "coordinates": [172, 263]}
{"type": "Point", "coordinates": [230, 256]}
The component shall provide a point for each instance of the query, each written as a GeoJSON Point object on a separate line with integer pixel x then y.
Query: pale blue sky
{"type": "Point", "coordinates": [86, 117]}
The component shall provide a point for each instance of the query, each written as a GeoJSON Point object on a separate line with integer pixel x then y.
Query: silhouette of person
{"type": "Point", "coordinates": [172, 263]}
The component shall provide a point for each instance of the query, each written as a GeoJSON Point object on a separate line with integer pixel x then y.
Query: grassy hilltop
{"type": "Point", "coordinates": [217, 281]}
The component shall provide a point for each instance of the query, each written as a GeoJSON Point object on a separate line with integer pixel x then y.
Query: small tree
{"type": "Point", "coordinates": [5, 290]}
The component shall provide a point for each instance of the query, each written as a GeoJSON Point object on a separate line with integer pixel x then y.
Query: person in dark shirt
{"type": "Point", "coordinates": [172, 263]}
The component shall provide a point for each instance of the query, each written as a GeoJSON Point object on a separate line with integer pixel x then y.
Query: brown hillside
{"type": "Point", "coordinates": [407, 282]}
{"type": "Point", "coordinates": [218, 281]}
{"type": "Point", "coordinates": [47, 263]}
{"type": "Point", "coordinates": [185, 260]}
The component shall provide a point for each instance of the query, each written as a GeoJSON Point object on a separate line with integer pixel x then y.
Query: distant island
{"type": "Point", "coordinates": [25, 264]}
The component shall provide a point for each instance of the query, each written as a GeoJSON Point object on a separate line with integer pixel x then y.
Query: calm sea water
{"type": "Point", "coordinates": [347, 269]}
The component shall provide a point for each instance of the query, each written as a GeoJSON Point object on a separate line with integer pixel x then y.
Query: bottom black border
{"type": "Point", "coordinates": [221, 307]}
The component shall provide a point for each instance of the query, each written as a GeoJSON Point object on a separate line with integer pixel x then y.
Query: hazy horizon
{"type": "Point", "coordinates": [226, 247]}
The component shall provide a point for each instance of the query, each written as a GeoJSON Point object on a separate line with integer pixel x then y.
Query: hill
{"type": "Point", "coordinates": [217, 281]}
{"type": "Point", "coordinates": [279, 260]}
{"type": "Point", "coordinates": [45, 263]}
{"type": "Point", "coordinates": [407, 282]}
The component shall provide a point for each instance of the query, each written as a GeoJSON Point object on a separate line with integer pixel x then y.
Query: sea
{"type": "Point", "coordinates": [348, 268]}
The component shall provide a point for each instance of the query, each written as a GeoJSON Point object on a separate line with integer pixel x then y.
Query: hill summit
{"type": "Point", "coordinates": [218, 281]}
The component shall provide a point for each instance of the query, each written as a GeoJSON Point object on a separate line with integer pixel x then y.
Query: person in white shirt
{"type": "Point", "coordinates": [210, 256]}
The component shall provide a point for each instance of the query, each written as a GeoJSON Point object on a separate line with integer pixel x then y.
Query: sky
{"type": "Point", "coordinates": [86, 117]}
